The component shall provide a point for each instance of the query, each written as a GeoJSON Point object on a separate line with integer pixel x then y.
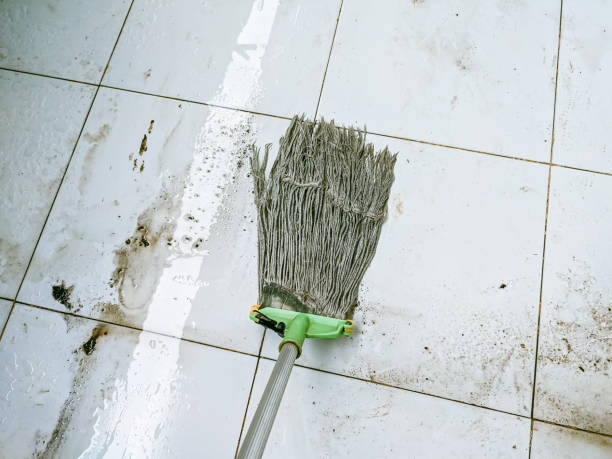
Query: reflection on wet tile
{"type": "Point", "coordinates": [79, 388]}
{"type": "Point", "coordinates": [265, 56]}
{"type": "Point", "coordinates": [468, 74]}
{"type": "Point", "coordinates": [553, 442]}
{"type": "Point", "coordinates": [155, 223]}
{"type": "Point", "coordinates": [331, 416]}
{"type": "Point", "coordinates": [40, 120]}
{"type": "Point", "coordinates": [449, 304]}
{"type": "Point", "coordinates": [66, 38]}
{"type": "Point", "coordinates": [584, 99]}
{"type": "Point", "coordinates": [575, 352]}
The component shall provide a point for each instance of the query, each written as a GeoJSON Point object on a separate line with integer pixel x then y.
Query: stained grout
{"type": "Point", "coordinates": [552, 145]}
{"type": "Point", "coordinates": [414, 391]}
{"type": "Point", "coordinates": [331, 47]}
{"type": "Point", "coordinates": [270, 115]}
{"type": "Point", "coordinates": [577, 429]}
{"type": "Point", "coordinates": [61, 182]}
{"type": "Point", "coordinates": [197, 102]}
{"type": "Point", "coordinates": [549, 163]}
{"type": "Point", "coordinates": [259, 356]}
{"type": "Point", "coordinates": [53, 77]}
{"type": "Point", "coordinates": [49, 212]}
{"type": "Point", "coordinates": [283, 117]}
{"type": "Point", "coordinates": [132, 327]}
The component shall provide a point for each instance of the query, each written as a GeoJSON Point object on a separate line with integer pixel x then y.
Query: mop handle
{"type": "Point", "coordinates": [255, 440]}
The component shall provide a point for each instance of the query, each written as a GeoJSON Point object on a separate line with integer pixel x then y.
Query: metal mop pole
{"type": "Point", "coordinates": [255, 440]}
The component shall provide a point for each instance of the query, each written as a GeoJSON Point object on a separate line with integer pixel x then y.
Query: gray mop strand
{"type": "Point", "coordinates": [320, 215]}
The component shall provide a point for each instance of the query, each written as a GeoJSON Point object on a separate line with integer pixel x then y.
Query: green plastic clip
{"type": "Point", "coordinates": [294, 326]}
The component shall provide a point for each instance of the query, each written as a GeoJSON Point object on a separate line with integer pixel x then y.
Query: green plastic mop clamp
{"type": "Point", "coordinates": [295, 326]}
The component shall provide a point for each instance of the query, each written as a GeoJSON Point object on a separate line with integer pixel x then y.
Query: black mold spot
{"type": "Point", "coordinates": [503, 286]}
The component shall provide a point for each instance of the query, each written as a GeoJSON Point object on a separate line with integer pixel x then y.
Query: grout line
{"type": "Point", "coordinates": [115, 45]}
{"type": "Point", "coordinates": [7, 299]}
{"type": "Point", "coordinates": [271, 115]}
{"type": "Point", "coordinates": [259, 357]}
{"type": "Point", "coordinates": [53, 77]}
{"type": "Point", "coordinates": [471, 150]}
{"type": "Point", "coordinates": [379, 383]}
{"type": "Point", "coordinates": [50, 209]}
{"type": "Point", "coordinates": [59, 186]}
{"type": "Point", "coordinates": [577, 429]}
{"type": "Point", "coordinates": [197, 102]}
{"type": "Point", "coordinates": [331, 47]}
{"type": "Point", "coordinates": [246, 408]}
{"type": "Point", "coordinates": [550, 159]}
{"type": "Point", "coordinates": [135, 328]}
{"type": "Point", "coordinates": [581, 169]}
{"type": "Point", "coordinates": [535, 366]}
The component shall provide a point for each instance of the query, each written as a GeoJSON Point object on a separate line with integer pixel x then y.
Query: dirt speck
{"type": "Point", "coordinates": [461, 64]}
{"type": "Point", "coordinates": [147, 74]}
{"type": "Point", "coordinates": [502, 285]}
{"type": "Point", "coordinates": [399, 207]}
{"type": "Point", "coordinates": [143, 145]}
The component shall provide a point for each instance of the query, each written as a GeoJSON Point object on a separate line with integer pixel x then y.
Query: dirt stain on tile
{"type": "Point", "coordinates": [90, 345]}
{"type": "Point", "coordinates": [87, 170]}
{"type": "Point", "coordinates": [577, 339]}
{"type": "Point", "coordinates": [140, 260]}
{"type": "Point", "coordinates": [62, 293]}
{"type": "Point", "coordinates": [52, 446]}
{"type": "Point", "coordinates": [10, 259]}
{"type": "Point", "coordinates": [580, 343]}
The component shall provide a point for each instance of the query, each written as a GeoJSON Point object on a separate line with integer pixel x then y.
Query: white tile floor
{"type": "Point", "coordinates": [127, 233]}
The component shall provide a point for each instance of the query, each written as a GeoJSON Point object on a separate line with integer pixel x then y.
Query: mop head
{"type": "Point", "coordinates": [320, 214]}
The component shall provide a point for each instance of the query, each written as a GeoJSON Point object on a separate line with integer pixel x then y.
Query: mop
{"type": "Point", "coordinates": [320, 214]}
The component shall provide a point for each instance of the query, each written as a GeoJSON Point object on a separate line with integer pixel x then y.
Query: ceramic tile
{"type": "Point", "coordinates": [5, 307]}
{"type": "Point", "coordinates": [65, 38]}
{"type": "Point", "coordinates": [449, 304]}
{"type": "Point", "coordinates": [583, 98]}
{"type": "Point", "coordinates": [155, 223]}
{"type": "Point", "coordinates": [575, 351]}
{"type": "Point", "coordinates": [39, 124]}
{"type": "Point", "coordinates": [330, 416]}
{"type": "Point", "coordinates": [264, 56]}
{"type": "Point", "coordinates": [81, 388]}
{"type": "Point", "coordinates": [465, 74]}
{"type": "Point", "coordinates": [553, 442]}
